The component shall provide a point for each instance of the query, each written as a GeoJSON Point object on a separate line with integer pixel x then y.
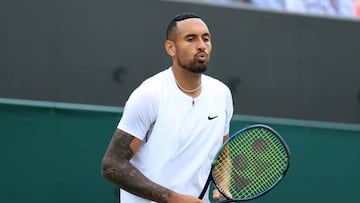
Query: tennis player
{"type": "Point", "coordinates": [172, 124]}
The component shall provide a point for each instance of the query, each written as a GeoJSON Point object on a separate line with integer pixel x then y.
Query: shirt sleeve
{"type": "Point", "coordinates": [140, 111]}
{"type": "Point", "coordinates": [229, 110]}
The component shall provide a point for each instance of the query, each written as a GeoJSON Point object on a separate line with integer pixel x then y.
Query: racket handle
{"type": "Point", "coordinates": [205, 187]}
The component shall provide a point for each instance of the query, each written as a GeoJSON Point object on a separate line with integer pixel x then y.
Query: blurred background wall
{"type": "Point", "coordinates": [277, 64]}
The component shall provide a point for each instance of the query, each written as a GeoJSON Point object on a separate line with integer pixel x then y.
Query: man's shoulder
{"type": "Point", "coordinates": [153, 84]}
{"type": "Point", "coordinates": [157, 78]}
{"type": "Point", "coordinates": [214, 82]}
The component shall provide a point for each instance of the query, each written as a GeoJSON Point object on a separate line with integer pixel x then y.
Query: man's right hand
{"type": "Point", "coordinates": [179, 198]}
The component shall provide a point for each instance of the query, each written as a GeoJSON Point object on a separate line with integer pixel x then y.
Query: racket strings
{"type": "Point", "coordinates": [254, 161]}
{"type": "Point", "coordinates": [223, 172]}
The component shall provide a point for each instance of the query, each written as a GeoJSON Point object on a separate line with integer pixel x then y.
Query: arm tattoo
{"type": "Point", "coordinates": [117, 169]}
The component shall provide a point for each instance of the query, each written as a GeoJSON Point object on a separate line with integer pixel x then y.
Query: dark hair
{"type": "Point", "coordinates": [177, 18]}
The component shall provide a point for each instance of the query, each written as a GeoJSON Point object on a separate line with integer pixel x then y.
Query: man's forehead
{"type": "Point", "coordinates": [192, 24]}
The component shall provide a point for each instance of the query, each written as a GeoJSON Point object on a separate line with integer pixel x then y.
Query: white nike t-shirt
{"type": "Point", "coordinates": [180, 134]}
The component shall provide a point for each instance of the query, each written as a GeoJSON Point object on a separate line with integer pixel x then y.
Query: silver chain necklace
{"type": "Point", "coordinates": [185, 90]}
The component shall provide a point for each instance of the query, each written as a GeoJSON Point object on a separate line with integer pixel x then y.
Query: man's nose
{"type": "Point", "coordinates": [201, 45]}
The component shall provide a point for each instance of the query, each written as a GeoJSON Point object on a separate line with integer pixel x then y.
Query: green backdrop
{"type": "Point", "coordinates": [51, 152]}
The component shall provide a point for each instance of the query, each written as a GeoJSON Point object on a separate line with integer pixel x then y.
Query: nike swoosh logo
{"type": "Point", "coordinates": [210, 118]}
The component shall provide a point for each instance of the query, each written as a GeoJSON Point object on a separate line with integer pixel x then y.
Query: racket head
{"type": "Point", "coordinates": [250, 163]}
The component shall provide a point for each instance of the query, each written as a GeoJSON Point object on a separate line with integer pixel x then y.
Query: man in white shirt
{"type": "Point", "coordinates": [172, 124]}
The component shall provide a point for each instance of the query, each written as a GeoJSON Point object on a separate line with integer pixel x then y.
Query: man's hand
{"type": "Point", "coordinates": [179, 198]}
{"type": "Point", "coordinates": [217, 195]}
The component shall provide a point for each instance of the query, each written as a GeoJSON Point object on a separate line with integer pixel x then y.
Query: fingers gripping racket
{"type": "Point", "coordinates": [249, 164]}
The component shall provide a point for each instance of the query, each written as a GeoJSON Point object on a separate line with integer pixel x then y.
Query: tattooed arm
{"type": "Point", "coordinates": [117, 169]}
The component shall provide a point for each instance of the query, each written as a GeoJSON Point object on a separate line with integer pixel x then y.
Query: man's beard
{"type": "Point", "coordinates": [194, 66]}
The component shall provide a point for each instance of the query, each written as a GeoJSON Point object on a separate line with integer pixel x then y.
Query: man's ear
{"type": "Point", "coordinates": [170, 47]}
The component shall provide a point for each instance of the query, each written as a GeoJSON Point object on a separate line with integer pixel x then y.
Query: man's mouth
{"type": "Point", "coordinates": [201, 56]}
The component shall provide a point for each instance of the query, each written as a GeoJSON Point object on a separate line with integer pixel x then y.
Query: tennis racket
{"type": "Point", "coordinates": [249, 164]}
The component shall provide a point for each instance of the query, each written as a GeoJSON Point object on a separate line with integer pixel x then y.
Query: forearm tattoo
{"type": "Point", "coordinates": [117, 169]}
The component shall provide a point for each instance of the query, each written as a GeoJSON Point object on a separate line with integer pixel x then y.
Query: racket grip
{"type": "Point", "coordinates": [205, 187]}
